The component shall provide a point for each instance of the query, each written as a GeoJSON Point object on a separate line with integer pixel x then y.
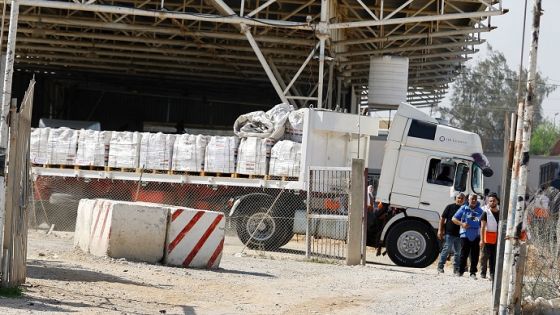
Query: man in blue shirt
{"type": "Point", "coordinates": [468, 218]}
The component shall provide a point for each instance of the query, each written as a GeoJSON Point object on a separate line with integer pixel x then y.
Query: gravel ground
{"type": "Point", "coordinates": [62, 279]}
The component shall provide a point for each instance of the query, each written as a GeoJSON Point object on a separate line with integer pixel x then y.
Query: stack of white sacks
{"type": "Point", "coordinates": [156, 151]}
{"type": "Point", "coordinates": [61, 146]}
{"type": "Point", "coordinates": [285, 158]}
{"type": "Point", "coordinates": [189, 152]}
{"type": "Point", "coordinates": [221, 154]}
{"type": "Point", "coordinates": [124, 149]}
{"type": "Point", "coordinates": [259, 132]}
{"type": "Point", "coordinates": [267, 143]}
{"type": "Point", "coordinates": [93, 148]}
{"type": "Point", "coordinates": [38, 152]}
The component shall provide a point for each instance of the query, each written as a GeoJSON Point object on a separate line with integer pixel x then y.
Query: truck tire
{"type": "Point", "coordinates": [259, 228]}
{"type": "Point", "coordinates": [412, 243]}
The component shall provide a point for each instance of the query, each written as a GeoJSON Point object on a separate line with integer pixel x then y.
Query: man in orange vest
{"type": "Point", "coordinates": [488, 234]}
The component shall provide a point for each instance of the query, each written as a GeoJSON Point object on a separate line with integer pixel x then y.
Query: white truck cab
{"type": "Point", "coordinates": [424, 165]}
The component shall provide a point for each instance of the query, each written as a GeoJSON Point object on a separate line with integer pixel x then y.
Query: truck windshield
{"type": "Point", "coordinates": [476, 180]}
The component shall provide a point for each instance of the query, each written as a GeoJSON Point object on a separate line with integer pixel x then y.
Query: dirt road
{"type": "Point", "coordinates": [62, 279]}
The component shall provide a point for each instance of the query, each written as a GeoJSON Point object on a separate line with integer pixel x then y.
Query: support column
{"type": "Point", "coordinates": [356, 213]}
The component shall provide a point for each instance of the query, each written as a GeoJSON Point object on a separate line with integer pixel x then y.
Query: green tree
{"type": "Point", "coordinates": [544, 137]}
{"type": "Point", "coordinates": [482, 95]}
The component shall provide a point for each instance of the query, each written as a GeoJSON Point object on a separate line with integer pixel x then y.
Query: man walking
{"type": "Point", "coordinates": [468, 218]}
{"type": "Point", "coordinates": [449, 233]}
{"type": "Point", "coordinates": [488, 234]}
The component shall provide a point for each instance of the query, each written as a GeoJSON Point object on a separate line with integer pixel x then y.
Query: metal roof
{"type": "Point", "coordinates": [309, 50]}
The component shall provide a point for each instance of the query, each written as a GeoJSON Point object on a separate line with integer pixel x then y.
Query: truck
{"type": "Point", "coordinates": [266, 210]}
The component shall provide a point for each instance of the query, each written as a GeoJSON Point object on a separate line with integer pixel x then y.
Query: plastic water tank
{"type": "Point", "coordinates": [388, 81]}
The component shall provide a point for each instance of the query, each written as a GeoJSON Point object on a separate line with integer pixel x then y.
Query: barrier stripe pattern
{"type": "Point", "coordinates": [195, 238]}
{"type": "Point", "coordinates": [202, 240]}
{"type": "Point", "coordinates": [215, 255]}
{"type": "Point", "coordinates": [185, 230]}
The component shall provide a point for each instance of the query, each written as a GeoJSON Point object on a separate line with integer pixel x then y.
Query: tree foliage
{"type": "Point", "coordinates": [544, 137]}
{"type": "Point", "coordinates": [485, 93]}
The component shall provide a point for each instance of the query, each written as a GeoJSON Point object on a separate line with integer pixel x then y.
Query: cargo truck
{"type": "Point", "coordinates": [411, 192]}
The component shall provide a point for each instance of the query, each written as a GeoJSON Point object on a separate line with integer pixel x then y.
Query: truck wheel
{"type": "Point", "coordinates": [411, 244]}
{"type": "Point", "coordinates": [259, 228]}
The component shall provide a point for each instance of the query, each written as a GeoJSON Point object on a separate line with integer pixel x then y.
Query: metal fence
{"type": "Point", "coordinates": [263, 220]}
{"type": "Point", "coordinates": [542, 268]}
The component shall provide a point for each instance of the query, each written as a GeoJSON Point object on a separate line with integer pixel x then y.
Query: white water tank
{"type": "Point", "coordinates": [388, 82]}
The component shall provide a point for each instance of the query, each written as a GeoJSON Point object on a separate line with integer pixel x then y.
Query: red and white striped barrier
{"type": "Point", "coordinates": [195, 238]}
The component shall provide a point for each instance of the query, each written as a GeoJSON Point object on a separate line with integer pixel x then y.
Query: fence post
{"type": "Point", "coordinates": [356, 213]}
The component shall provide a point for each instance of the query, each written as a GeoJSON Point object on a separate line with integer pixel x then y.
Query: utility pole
{"type": "Point", "coordinates": [513, 243]}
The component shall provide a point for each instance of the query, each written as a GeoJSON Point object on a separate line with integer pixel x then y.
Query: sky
{"type": "Point", "coordinates": [507, 39]}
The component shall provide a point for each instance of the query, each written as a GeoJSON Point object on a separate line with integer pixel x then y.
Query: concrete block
{"type": "Point", "coordinates": [129, 230]}
{"type": "Point", "coordinates": [195, 238]}
{"type": "Point", "coordinates": [84, 215]}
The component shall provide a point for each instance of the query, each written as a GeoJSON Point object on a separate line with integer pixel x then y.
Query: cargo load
{"type": "Point", "coordinates": [124, 149]}
{"type": "Point", "coordinates": [221, 154]}
{"type": "Point", "coordinates": [62, 146]}
{"type": "Point", "coordinates": [294, 126]}
{"type": "Point", "coordinates": [38, 145]}
{"type": "Point", "coordinates": [285, 159]}
{"type": "Point", "coordinates": [93, 148]}
{"type": "Point", "coordinates": [156, 151]}
{"type": "Point", "coordinates": [254, 155]}
{"type": "Point", "coordinates": [261, 124]}
{"type": "Point", "coordinates": [189, 152]}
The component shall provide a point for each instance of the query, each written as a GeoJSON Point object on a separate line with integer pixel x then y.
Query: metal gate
{"type": "Point", "coordinates": [328, 202]}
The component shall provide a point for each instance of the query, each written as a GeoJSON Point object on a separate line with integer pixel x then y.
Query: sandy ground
{"type": "Point", "coordinates": [61, 279]}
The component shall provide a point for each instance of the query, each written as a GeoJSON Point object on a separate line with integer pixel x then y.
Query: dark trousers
{"type": "Point", "coordinates": [489, 257]}
{"type": "Point", "coordinates": [469, 249]}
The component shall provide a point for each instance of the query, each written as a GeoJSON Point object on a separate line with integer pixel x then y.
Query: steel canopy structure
{"type": "Point", "coordinates": [311, 51]}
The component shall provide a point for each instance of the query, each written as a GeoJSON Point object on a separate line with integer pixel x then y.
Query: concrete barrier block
{"type": "Point", "coordinates": [138, 232]}
{"type": "Point", "coordinates": [195, 238]}
{"type": "Point", "coordinates": [84, 215]}
{"type": "Point", "coordinates": [128, 230]}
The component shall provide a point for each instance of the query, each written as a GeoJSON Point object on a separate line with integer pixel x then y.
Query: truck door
{"type": "Point", "coordinates": [438, 184]}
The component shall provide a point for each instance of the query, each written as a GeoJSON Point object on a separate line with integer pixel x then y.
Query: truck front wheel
{"type": "Point", "coordinates": [411, 244]}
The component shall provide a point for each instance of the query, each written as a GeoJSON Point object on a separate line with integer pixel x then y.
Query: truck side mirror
{"type": "Point", "coordinates": [487, 172]}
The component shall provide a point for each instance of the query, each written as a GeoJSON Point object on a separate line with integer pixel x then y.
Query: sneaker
{"type": "Point", "coordinates": [457, 274]}
{"type": "Point", "coordinates": [440, 270]}
{"type": "Point", "coordinates": [491, 277]}
{"type": "Point", "coordinates": [473, 276]}
{"type": "Point", "coordinates": [460, 274]}
{"type": "Point", "coordinates": [483, 275]}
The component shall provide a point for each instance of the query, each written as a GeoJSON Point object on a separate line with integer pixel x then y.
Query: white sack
{"type": "Point", "coordinates": [294, 126]}
{"type": "Point", "coordinates": [93, 147]}
{"type": "Point", "coordinates": [285, 159]}
{"type": "Point", "coordinates": [62, 146]}
{"type": "Point", "coordinates": [189, 152]}
{"type": "Point", "coordinates": [38, 145]}
{"type": "Point", "coordinates": [254, 155]}
{"type": "Point", "coordinates": [263, 125]}
{"type": "Point", "coordinates": [124, 149]}
{"type": "Point", "coordinates": [156, 151]}
{"type": "Point", "coordinates": [220, 154]}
